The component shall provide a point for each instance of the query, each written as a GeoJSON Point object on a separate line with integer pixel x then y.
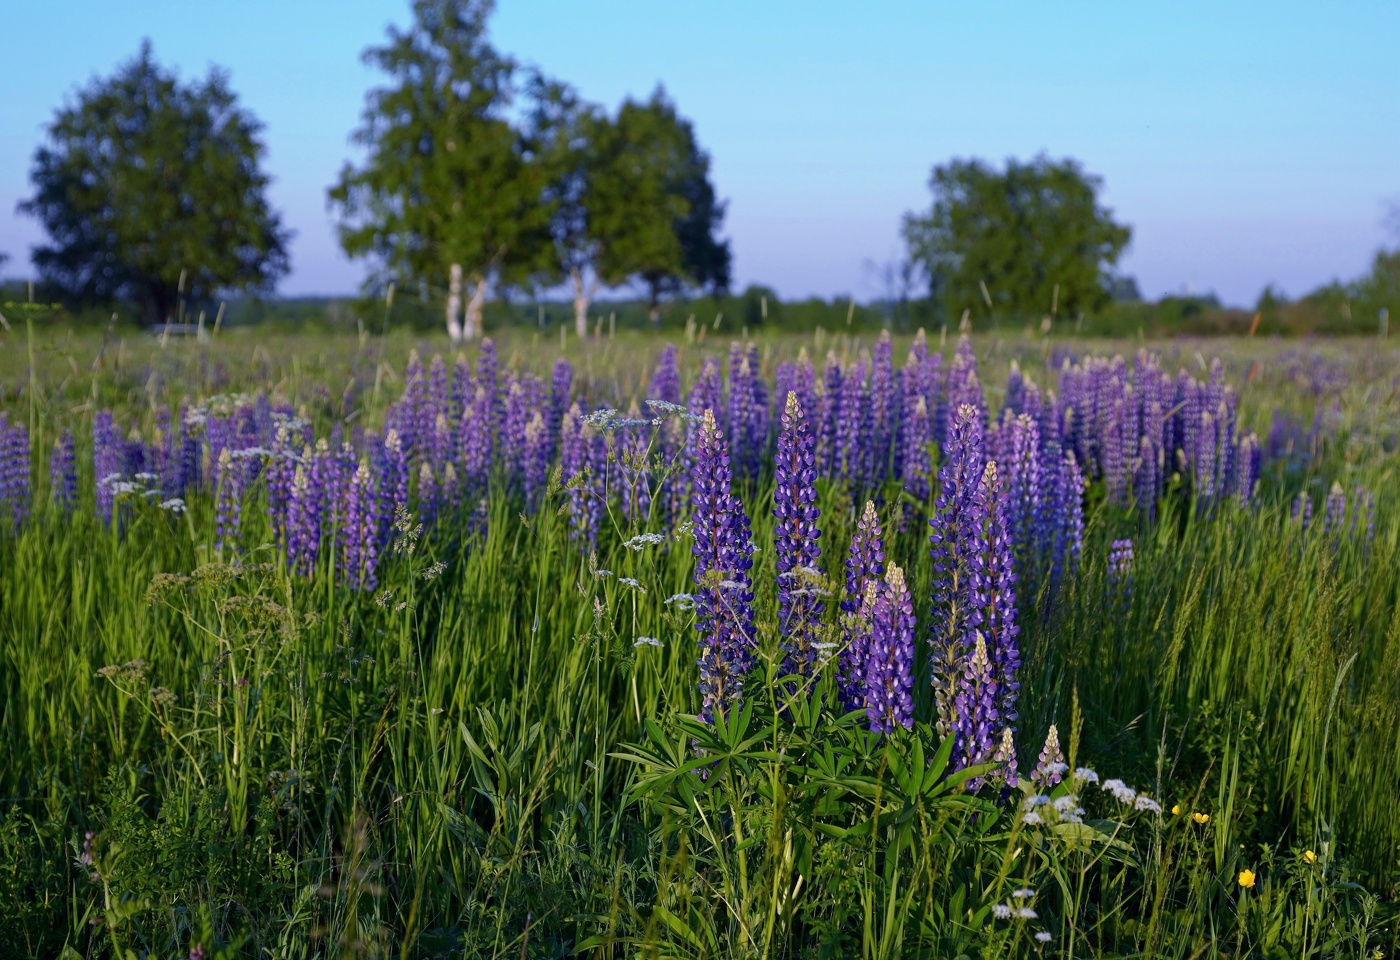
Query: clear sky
{"type": "Point", "coordinates": [1247, 143]}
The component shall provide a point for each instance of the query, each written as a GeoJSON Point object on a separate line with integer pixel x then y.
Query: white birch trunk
{"type": "Point", "coordinates": [471, 329]}
{"type": "Point", "coordinates": [583, 296]}
{"type": "Point", "coordinates": [454, 302]}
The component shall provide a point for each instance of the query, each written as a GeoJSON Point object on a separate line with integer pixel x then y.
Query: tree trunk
{"type": "Point", "coordinates": [471, 329]}
{"type": "Point", "coordinates": [454, 302]}
{"type": "Point", "coordinates": [654, 305]}
{"type": "Point", "coordinates": [582, 298]}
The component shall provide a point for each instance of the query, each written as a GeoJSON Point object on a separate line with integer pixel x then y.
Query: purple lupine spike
{"type": "Point", "coordinates": [1005, 759]}
{"type": "Point", "coordinates": [1204, 462]}
{"type": "Point", "coordinates": [488, 380]}
{"type": "Point", "coordinates": [1051, 768]}
{"type": "Point", "coordinates": [975, 718]}
{"type": "Point", "coordinates": [865, 566]}
{"type": "Point", "coordinates": [964, 389]}
{"type": "Point", "coordinates": [666, 379]}
{"type": "Point", "coordinates": [429, 494]}
{"type": "Point", "coordinates": [393, 485]}
{"type": "Point", "coordinates": [1334, 511]}
{"type": "Point", "coordinates": [884, 409]}
{"type": "Point", "coordinates": [797, 540]}
{"type": "Point", "coordinates": [414, 420]}
{"type": "Point", "coordinates": [512, 440]}
{"type": "Point", "coordinates": [303, 519]}
{"type": "Point", "coordinates": [281, 469]}
{"type": "Point", "coordinates": [1302, 511]}
{"type": "Point", "coordinates": [916, 463]}
{"type": "Point", "coordinates": [106, 462]}
{"type": "Point", "coordinates": [761, 413]}
{"type": "Point", "coordinates": [992, 588]}
{"type": "Point", "coordinates": [829, 438]}
{"type": "Point", "coordinates": [706, 393]}
{"type": "Point", "coordinates": [14, 470]}
{"type": "Point", "coordinates": [1147, 477]}
{"type": "Point", "coordinates": [1015, 390]}
{"type": "Point", "coordinates": [63, 473]}
{"type": "Point", "coordinates": [1065, 522]}
{"type": "Point", "coordinates": [1025, 488]}
{"type": "Point", "coordinates": [538, 451]}
{"type": "Point", "coordinates": [440, 447]}
{"type": "Point", "coordinates": [561, 385]}
{"type": "Point", "coordinates": [360, 530]}
{"type": "Point", "coordinates": [1247, 471]}
{"type": "Point", "coordinates": [1120, 572]}
{"type": "Point", "coordinates": [951, 550]}
{"type": "Point", "coordinates": [853, 428]}
{"type": "Point", "coordinates": [575, 440]}
{"type": "Point", "coordinates": [439, 398]}
{"type": "Point", "coordinates": [723, 552]}
{"type": "Point", "coordinates": [804, 384]}
{"type": "Point", "coordinates": [474, 440]}
{"type": "Point", "coordinates": [743, 417]}
{"type": "Point", "coordinates": [889, 677]}
{"type": "Point", "coordinates": [228, 501]}
{"type": "Point", "coordinates": [462, 389]}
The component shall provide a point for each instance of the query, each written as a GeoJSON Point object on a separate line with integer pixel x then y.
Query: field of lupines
{"type": "Point", "coordinates": [810, 648]}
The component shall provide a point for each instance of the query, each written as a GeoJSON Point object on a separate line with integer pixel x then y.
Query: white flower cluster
{"type": "Point", "coordinates": [646, 642]}
{"type": "Point", "coordinates": [643, 540]}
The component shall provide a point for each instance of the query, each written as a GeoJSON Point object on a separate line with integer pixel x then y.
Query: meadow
{"type": "Point", "coordinates": [316, 645]}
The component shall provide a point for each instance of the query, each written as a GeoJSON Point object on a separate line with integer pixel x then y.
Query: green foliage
{"type": "Point", "coordinates": [1028, 241]}
{"type": "Point", "coordinates": [447, 178]}
{"type": "Point", "coordinates": [150, 190]}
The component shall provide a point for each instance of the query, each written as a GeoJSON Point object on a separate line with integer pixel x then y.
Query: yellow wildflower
{"type": "Point", "coordinates": [1176, 810]}
{"type": "Point", "coordinates": [1309, 856]}
{"type": "Point", "coordinates": [1246, 878]}
{"type": "Point", "coordinates": [1201, 817]}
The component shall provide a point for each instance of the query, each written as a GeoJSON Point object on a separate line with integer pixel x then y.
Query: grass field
{"type": "Point", "coordinates": [494, 750]}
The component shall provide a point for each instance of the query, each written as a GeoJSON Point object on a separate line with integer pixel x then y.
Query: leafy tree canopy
{"type": "Point", "coordinates": [1030, 238]}
{"type": "Point", "coordinates": [448, 179]}
{"type": "Point", "coordinates": [145, 181]}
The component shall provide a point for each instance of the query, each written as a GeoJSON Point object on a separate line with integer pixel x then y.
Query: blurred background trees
{"type": "Point", "coordinates": [150, 189]}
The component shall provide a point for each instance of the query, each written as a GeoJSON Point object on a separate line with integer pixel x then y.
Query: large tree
{"type": "Point", "coordinates": [630, 198]}
{"type": "Point", "coordinates": [1031, 238]}
{"type": "Point", "coordinates": [145, 181]}
{"type": "Point", "coordinates": [450, 189]}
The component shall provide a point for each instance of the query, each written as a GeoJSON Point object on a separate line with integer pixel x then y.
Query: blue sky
{"type": "Point", "coordinates": [1246, 143]}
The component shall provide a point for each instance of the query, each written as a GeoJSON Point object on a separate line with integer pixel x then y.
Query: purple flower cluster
{"type": "Point", "coordinates": [797, 540]}
{"type": "Point", "coordinates": [1120, 571]}
{"type": "Point", "coordinates": [889, 670]}
{"type": "Point", "coordinates": [723, 552]}
{"type": "Point", "coordinates": [14, 470]}
{"type": "Point", "coordinates": [865, 567]}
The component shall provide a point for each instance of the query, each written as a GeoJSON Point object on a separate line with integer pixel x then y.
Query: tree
{"type": "Point", "coordinates": [1032, 239]}
{"type": "Point", "coordinates": [652, 208]}
{"type": "Point", "coordinates": [149, 188]}
{"type": "Point", "coordinates": [449, 189]}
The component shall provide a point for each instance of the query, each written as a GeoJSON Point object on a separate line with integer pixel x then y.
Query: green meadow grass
{"type": "Point", "coordinates": [477, 760]}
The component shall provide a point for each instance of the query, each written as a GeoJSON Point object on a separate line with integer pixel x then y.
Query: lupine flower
{"type": "Point", "coordinates": [743, 415]}
{"type": "Point", "coordinates": [975, 717]}
{"type": "Point", "coordinates": [915, 463]}
{"type": "Point", "coordinates": [865, 566]}
{"type": "Point", "coordinates": [1051, 767]}
{"type": "Point", "coordinates": [429, 494]}
{"type": "Point", "coordinates": [14, 469]}
{"type": "Point", "coordinates": [228, 501]}
{"type": "Point", "coordinates": [723, 552]}
{"type": "Point", "coordinates": [303, 520]}
{"type": "Point", "coordinates": [584, 509]}
{"type": "Point", "coordinates": [561, 382]}
{"type": "Point", "coordinates": [889, 676]}
{"type": "Point", "coordinates": [360, 531]}
{"type": "Point", "coordinates": [106, 461]}
{"type": "Point", "coordinates": [1005, 760]}
{"type": "Point", "coordinates": [536, 460]}
{"type": "Point", "coordinates": [1120, 570]}
{"type": "Point", "coordinates": [951, 549]}
{"type": "Point", "coordinates": [797, 540]}
{"type": "Point", "coordinates": [63, 473]}
{"type": "Point", "coordinates": [829, 436]}
{"type": "Point", "coordinates": [853, 427]}
{"type": "Point", "coordinates": [1334, 510]}
{"type": "Point", "coordinates": [991, 587]}
{"type": "Point", "coordinates": [884, 409]}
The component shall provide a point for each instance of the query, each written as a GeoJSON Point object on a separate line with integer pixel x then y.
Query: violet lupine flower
{"type": "Point", "coordinates": [853, 427]}
{"type": "Point", "coordinates": [561, 385]}
{"type": "Point", "coordinates": [1051, 767]}
{"type": "Point", "coordinates": [951, 547]}
{"type": "Point", "coordinates": [865, 565]}
{"type": "Point", "coordinates": [743, 415]}
{"type": "Point", "coordinates": [538, 450]}
{"type": "Point", "coordinates": [991, 593]}
{"type": "Point", "coordinates": [975, 717]}
{"type": "Point", "coordinates": [889, 675]}
{"type": "Point", "coordinates": [1005, 759]}
{"type": "Point", "coordinates": [360, 531]}
{"type": "Point", "coordinates": [106, 461]}
{"type": "Point", "coordinates": [829, 435]}
{"type": "Point", "coordinates": [1248, 460]}
{"type": "Point", "coordinates": [884, 409]}
{"type": "Point", "coordinates": [723, 553]}
{"type": "Point", "coordinates": [1066, 517]}
{"type": "Point", "coordinates": [14, 469]}
{"type": "Point", "coordinates": [512, 438]}
{"type": "Point", "coordinates": [63, 473]}
{"type": "Point", "coordinates": [1120, 571]}
{"type": "Point", "coordinates": [439, 395]}
{"type": "Point", "coordinates": [228, 501]}
{"type": "Point", "coordinates": [666, 379]}
{"type": "Point", "coordinates": [964, 389]}
{"type": "Point", "coordinates": [797, 540]}
{"type": "Point", "coordinates": [411, 417]}
{"type": "Point", "coordinates": [706, 393]}
{"type": "Point", "coordinates": [576, 458]}
{"type": "Point", "coordinates": [488, 381]}
{"type": "Point", "coordinates": [429, 494]}
{"type": "Point", "coordinates": [1149, 466]}
{"type": "Point", "coordinates": [303, 519]}
{"type": "Point", "coordinates": [1019, 437]}
{"type": "Point", "coordinates": [633, 474]}
{"type": "Point", "coordinates": [461, 387]}
{"type": "Point", "coordinates": [474, 440]}
{"type": "Point", "coordinates": [1334, 511]}
{"type": "Point", "coordinates": [1302, 511]}
{"type": "Point", "coordinates": [393, 485]}
{"type": "Point", "coordinates": [281, 468]}
{"type": "Point", "coordinates": [915, 461]}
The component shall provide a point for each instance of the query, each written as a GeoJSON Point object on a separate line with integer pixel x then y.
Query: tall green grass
{"type": "Point", "coordinates": [479, 761]}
